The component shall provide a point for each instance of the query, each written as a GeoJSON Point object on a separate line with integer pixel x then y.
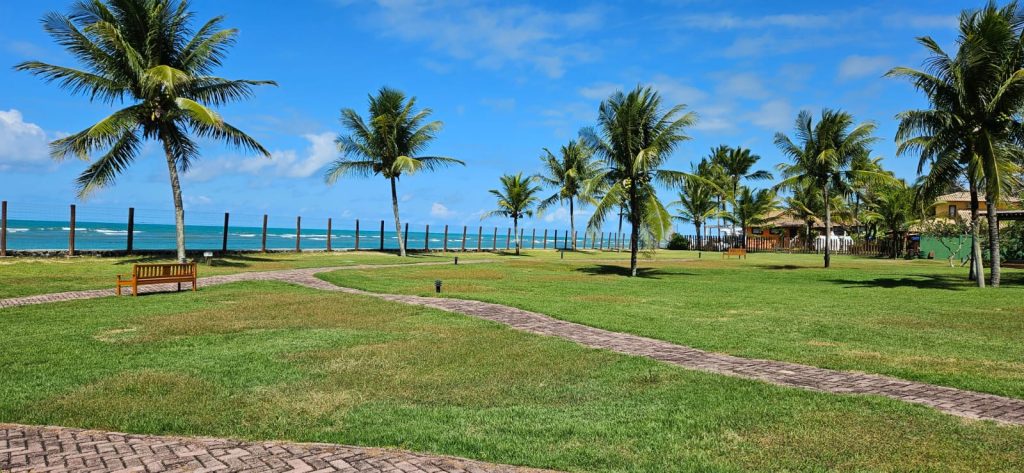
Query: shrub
{"type": "Point", "coordinates": [678, 242]}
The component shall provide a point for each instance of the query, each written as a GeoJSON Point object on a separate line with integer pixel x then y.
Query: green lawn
{"type": "Point", "coordinates": [304, 365]}
{"type": "Point", "coordinates": [916, 320]}
{"type": "Point", "coordinates": [28, 276]}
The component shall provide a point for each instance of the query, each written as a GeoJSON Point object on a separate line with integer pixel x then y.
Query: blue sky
{"type": "Point", "coordinates": [507, 79]}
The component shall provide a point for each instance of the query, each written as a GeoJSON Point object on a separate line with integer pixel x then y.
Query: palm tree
{"type": "Point", "coordinates": [571, 174]}
{"type": "Point", "coordinates": [972, 130]}
{"type": "Point", "coordinates": [753, 208]}
{"type": "Point", "coordinates": [636, 136]}
{"type": "Point", "coordinates": [144, 53]}
{"type": "Point", "coordinates": [696, 203]}
{"type": "Point", "coordinates": [804, 203]}
{"type": "Point", "coordinates": [861, 189]}
{"type": "Point", "coordinates": [737, 164]}
{"type": "Point", "coordinates": [515, 200]}
{"type": "Point", "coordinates": [823, 157]}
{"type": "Point", "coordinates": [387, 144]}
{"type": "Point", "coordinates": [895, 209]}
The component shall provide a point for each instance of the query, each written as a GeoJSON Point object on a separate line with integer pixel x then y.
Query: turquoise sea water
{"type": "Point", "coordinates": [54, 235]}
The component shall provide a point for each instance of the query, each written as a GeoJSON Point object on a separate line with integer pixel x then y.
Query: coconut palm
{"type": "Point", "coordinates": [753, 209]}
{"type": "Point", "coordinates": [570, 174]}
{"type": "Point", "coordinates": [804, 203]}
{"type": "Point", "coordinates": [387, 144]}
{"type": "Point", "coordinates": [894, 208]}
{"type": "Point", "coordinates": [635, 137]}
{"type": "Point", "coordinates": [972, 130]}
{"type": "Point", "coordinates": [144, 53]}
{"type": "Point", "coordinates": [516, 199]}
{"type": "Point", "coordinates": [696, 203]}
{"type": "Point", "coordinates": [823, 157]}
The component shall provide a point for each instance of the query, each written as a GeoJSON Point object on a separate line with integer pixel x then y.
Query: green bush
{"type": "Point", "coordinates": [678, 242]}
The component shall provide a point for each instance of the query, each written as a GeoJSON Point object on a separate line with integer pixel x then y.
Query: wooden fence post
{"type": "Point", "coordinates": [298, 234]}
{"type": "Point", "coordinates": [426, 239]}
{"type": "Point", "coordinates": [357, 235]}
{"type": "Point", "coordinates": [533, 240]}
{"type": "Point", "coordinates": [545, 238]}
{"type": "Point", "coordinates": [508, 238]}
{"type": "Point", "coordinates": [584, 240]}
{"type": "Point", "coordinates": [131, 230]}
{"type": "Point", "coordinates": [263, 246]}
{"type": "Point", "coordinates": [494, 240]}
{"type": "Point", "coordinates": [463, 238]}
{"type": "Point", "coordinates": [71, 234]}
{"type": "Point", "coordinates": [520, 241]}
{"type": "Point", "coordinates": [445, 249]}
{"type": "Point", "coordinates": [224, 240]}
{"type": "Point", "coordinates": [328, 234]}
{"type": "Point", "coordinates": [405, 237]}
{"type": "Point", "coordinates": [381, 235]}
{"type": "Point", "coordinates": [555, 246]}
{"type": "Point", "coordinates": [479, 238]}
{"type": "Point", "coordinates": [3, 228]}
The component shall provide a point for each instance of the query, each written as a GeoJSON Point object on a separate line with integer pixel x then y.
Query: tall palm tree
{"type": "Point", "coordinates": [753, 208]}
{"type": "Point", "coordinates": [696, 203]}
{"type": "Point", "coordinates": [571, 175]}
{"type": "Point", "coordinates": [895, 209]}
{"type": "Point", "coordinates": [516, 199]}
{"type": "Point", "coordinates": [804, 203]}
{"type": "Point", "coordinates": [861, 189]}
{"type": "Point", "coordinates": [972, 130]}
{"type": "Point", "coordinates": [822, 158]}
{"type": "Point", "coordinates": [737, 164]}
{"type": "Point", "coordinates": [387, 144]}
{"type": "Point", "coordinates": [635, 137]}
{"type": "Point", "coordinates": [144, 53]}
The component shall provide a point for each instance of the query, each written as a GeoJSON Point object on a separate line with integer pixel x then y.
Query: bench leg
{"type": "Point", "coordinates": [135, 290]}
{"type": "Point", "coordinates": [179, 287]}
{"type": "Point", "coordinates": [118, 289]}
{"type": "Point", "coordinates": [193, 285]}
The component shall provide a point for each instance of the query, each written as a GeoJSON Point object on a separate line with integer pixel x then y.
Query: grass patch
{"type": "Point", "coordinates": [304, 365]}
{"type": "Point", "coordinates": [916, 320]}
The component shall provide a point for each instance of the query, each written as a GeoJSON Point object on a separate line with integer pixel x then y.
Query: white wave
{"type": "Point", "coordinates": [244, 235]}
{"type": "Point", "coordinates": [105, 231]}
{"type": "Point", "coordinates": [17, 230]}
{"type": "Point", "coordinates": [77, 229]}
{"type": "Point", "coordinates": [317, 238]}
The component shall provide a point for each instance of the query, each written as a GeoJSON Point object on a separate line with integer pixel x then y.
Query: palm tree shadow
{"type": "Point", "coordinates": [614, 270]}
{"type": "Point", "coordinates": [950, 283]}
{"type": "Point", "coordinates": [781, 267]}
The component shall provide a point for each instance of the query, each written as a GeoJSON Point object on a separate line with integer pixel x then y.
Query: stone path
{"type": "Point", "coordinates": [56, 449]}
{"type": "Point", "coordinates": [953, 401]}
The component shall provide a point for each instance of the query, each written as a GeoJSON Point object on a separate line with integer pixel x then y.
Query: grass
{"type": "Point", "coordinates": [312, 366]}
{"type": "Point", "coordinates": [29, 276]}
{"type": "Point", "coordinates": [916, 320]}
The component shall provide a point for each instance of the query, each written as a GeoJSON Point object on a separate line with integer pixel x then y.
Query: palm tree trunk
{"type": "Point", "coordinates": [743, 235]}
{"type": "Point", "coordinates": [696, 225]}
{"type": "Point", "coordinates": [977, 268]}
{"type": "Point", "coordinates": [179, 207]}
{"type": "Point", "coordinates": [828, 228]}
{"type": "Point", "coordinates": [515, 231]}
{"type": "Point", "coordinates": [572, 224]}
{"type": "Point", "coordinates": [993, 242]}
{"type": "Point", "coordinates": [619, 235]}
{"type": "Point", "coordinates": [398, 223]}
{"type": "Point", "coordinates": [634, 231]}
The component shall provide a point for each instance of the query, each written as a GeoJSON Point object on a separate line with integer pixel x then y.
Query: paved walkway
{"type": "Point", "coordinates": [56, 449]}
{"type": "Point", "coordinates": [953, 401]}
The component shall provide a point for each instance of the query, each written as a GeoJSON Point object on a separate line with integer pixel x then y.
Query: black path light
{"type": "Point", "coordinates": [456, 261]}
{"type": "Point", "coordinates": [437, 286]}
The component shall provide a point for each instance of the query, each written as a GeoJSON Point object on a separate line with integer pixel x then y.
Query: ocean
{"type": "Point", "coordinates": [53, 235]}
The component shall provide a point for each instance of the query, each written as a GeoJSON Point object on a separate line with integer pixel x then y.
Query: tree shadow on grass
{"type": "Point", "coordinates": [614, 270]}
{"type": "Point", "coordinates": [781, 267]}
{"type": "Point", "coordinates": [951, 283]}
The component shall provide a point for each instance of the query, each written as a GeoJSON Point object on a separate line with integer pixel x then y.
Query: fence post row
{"type": "Point", "coordinates": [224, 240]}
{"type": "Point", "coordinates": [263, 245]}
{"type": "Point", "coordinates": [3, 228]}
{"type": "Point", "coordinates": [328, 234]}
{"type": "Point", "coordinates": [131, 230]}
{"type": "Point", "coordinates": [298, 234]}
{"type": "Point", "coordinates": [71, 234]}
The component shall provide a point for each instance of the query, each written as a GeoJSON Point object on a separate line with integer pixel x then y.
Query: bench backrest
{"type": "Point", "coordinates": [163, 270]}
{"type": "Point", "coordinates": [737, 251]}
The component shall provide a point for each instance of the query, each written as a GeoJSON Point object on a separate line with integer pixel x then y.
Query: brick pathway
{"type": "Point", "coordinates": [56, 449]}
{"type": "Point", "coordinates": [953, 401]}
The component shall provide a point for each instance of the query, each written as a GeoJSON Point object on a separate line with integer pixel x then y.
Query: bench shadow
{"type": "Point", "coordinates": [613, 270]}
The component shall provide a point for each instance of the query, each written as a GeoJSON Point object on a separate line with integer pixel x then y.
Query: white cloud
{"type": "Point", "coordinates": [600, 90]}
{"type": "Point", "coordinates": [284, 163]}
{"type": "Point", "coordinates": [725, 21]}
{"type": "Point", "coordinates": [438, 210]}
{"type": "Point", "coordinates": [22, 144]}
{"type": "Point", "coordinates": [743, 85]}
{"type": "Point", "coordinates": [500, 105]}
{"type": "Point", "coordinates": [492, 36]}
{"type": "Point", "coordinates": [857, 66]}
{"type": "Point", "coordinates": [774, 115]}
{"type": "Point", "coordinates": [561, 214]}
{"type": "Point", "coordinates": [676, 91]}
{"type": "Point", "coordinates": [921, 21]}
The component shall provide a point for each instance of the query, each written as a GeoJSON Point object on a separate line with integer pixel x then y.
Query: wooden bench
{"type": "Point", "coordinates": [737, 252]}
{"type": "Point", "coordinates": [143, 274]}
